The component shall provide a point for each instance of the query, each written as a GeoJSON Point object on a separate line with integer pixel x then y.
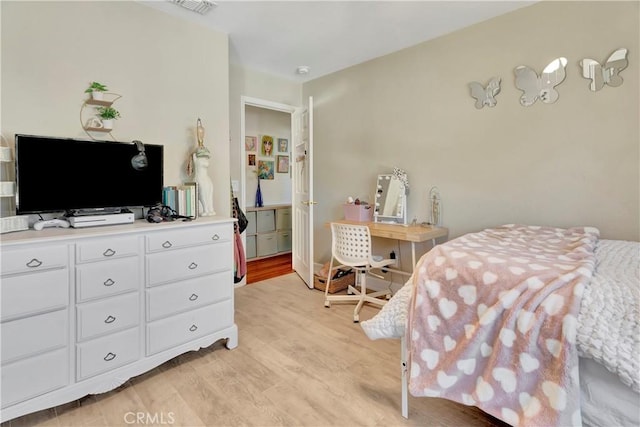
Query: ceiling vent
{"type": "Point", "coordinates": [198, 6]}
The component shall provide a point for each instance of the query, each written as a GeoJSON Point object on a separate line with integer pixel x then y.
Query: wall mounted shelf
{"type": "Point", "coordinates": [85, 118]}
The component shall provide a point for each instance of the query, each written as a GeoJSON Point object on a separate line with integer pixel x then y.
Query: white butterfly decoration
{"type": "Point", "coordinates": [534, 87]}
{"type": "Point", "coordinates": [607, 73]}
{"type": "Point", "coordinates": [485, 96]}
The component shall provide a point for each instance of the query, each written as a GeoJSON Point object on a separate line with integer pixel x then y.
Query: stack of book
{"type": "Point", "coordinates": [183, 199]}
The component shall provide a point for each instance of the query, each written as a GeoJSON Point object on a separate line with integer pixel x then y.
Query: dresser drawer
{"type": "Point", "coordinates": [107, 353]}
{"type": "Point", "coordinates": [188, 294]}
{"type": "Point", "coordinates": [265, 221]}
{"type": "Point", "coordinates": [34, 376]}
{"type": "Point", "coordinates": [166, 333]}
{"type": "Point", "coordinates": [107, 316]}
{"type": "Point", "coordinates": [33, 293]}
{"type": "Point", "coordinates": [266, 244]}
{"type": "Point", "coordinates": [34, 259]}
{"type": "Point", "coordinates": [192, 236]}
{"type": "Point", "coordinates": [32, 335]}
{"type": "Point", "coordinates": [103, 249]}
{"type": "Point", "coordinates": [100, 279]}
{"type": "Point", "coordinates": [187, 263]}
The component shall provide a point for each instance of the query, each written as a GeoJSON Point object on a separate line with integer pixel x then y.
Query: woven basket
{"type": "Point", "coordinates": [336, 285]}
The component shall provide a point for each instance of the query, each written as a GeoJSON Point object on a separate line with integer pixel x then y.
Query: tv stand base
{"type": "Point", "coordinates": [97, 220]}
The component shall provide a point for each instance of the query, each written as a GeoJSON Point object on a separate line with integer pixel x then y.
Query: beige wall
{"type": "Point", "coordinates": [168, 71]}
{"type": "Point", "coordinates": [575, 162]}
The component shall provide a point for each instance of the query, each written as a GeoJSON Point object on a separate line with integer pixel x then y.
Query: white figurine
{"type": "Point", "coordinates": [198, 165]}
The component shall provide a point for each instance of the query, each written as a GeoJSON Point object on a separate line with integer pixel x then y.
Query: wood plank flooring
{"type": "Point", "coordinates": [297, 364]}
{"type": "Point", "coordinates": [267, 268]}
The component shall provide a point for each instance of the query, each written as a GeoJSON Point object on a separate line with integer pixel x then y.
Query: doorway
{"type": "Point", "coordinates": [262, 120]}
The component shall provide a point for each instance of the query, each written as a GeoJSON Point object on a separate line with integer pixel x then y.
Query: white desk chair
{"type": "Point", "coordinates": [351, 246]}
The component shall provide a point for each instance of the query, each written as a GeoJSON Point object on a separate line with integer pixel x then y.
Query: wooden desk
{"type": "Point", "coordinates": [407, 233]}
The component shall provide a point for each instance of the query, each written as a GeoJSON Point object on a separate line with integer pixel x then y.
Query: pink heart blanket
{"type": "Point", "coordinates": [492, 322]}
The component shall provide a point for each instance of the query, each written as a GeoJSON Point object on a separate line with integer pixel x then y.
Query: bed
{"type": "Point", "coordinates": [533, 325]}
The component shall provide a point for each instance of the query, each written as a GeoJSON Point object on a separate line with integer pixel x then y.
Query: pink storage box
{"type": "Point", "coordinates": [358, 212]}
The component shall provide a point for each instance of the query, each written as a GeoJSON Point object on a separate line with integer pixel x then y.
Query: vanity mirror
{"type": "Point", "coordinates": [390, 200]}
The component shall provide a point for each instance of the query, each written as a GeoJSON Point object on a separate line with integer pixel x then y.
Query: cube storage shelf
{"type": "Point", "coordinates": [268, 231]}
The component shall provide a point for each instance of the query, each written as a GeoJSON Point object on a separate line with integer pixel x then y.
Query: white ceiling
{"type": "Point", "coordinates": [278, 36]}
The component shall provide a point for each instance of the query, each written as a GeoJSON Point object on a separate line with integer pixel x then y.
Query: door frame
{"type": "Point", "coordinates": [248, 101]}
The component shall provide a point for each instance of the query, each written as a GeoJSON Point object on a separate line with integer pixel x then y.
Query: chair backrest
{"type": "Point", "coordinates": [351, 244]}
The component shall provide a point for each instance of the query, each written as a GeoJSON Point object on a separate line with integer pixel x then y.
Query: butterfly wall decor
{"type": "Point", "coordinates": [485, 96]}
{"type": "Point", "coordinates": [541, 87]}
{"type": "Point", "coordinates": [605, 74]}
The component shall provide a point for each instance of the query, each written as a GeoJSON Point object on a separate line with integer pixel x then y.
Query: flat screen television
{"type": "Point", "coordinates": [70, 175]}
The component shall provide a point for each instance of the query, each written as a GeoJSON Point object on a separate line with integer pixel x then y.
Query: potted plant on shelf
{"type": "Point", "coordinates": [107, 116]}
{"type": "Point", "coordinates": [96, 90]}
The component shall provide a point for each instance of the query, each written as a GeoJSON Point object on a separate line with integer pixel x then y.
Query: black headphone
{"type": "Point", "coordinates": [139, 161]}
{"type": "Point", "coordinates": [165, 213]}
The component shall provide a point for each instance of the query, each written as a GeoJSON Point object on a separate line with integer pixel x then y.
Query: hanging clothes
{"type": "Point", "coordinates": [239, 257]}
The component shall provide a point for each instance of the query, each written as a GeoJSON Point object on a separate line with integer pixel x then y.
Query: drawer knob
{"type": "Point", "coordinates": [109, 357]}
{"type": "Point", "coordinates": [215, 237]}
{"type": "Point", "coordinates": [34, 263]}
{"type": "Point", "coordinates": [167, 244]}
{"type": "Point", "coordinates": [109, 252]}
{"type": "Point", "coordinates": [193, 297]}
{"type": "Point", "coordinates": [193, 266]}
{"type": "Point", "coordinates": [110, 319]}
{"type": "Point", "coordinates": [193, 328]}
{"type": "Point", "coordinates": [109, 282]}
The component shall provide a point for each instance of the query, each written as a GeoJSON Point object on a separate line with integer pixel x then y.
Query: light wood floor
{"type": "Point", "coordinates": [297, 364]}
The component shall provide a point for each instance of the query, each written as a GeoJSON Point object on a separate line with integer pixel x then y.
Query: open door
{"type": "Point", "coordinates": [302, 197]}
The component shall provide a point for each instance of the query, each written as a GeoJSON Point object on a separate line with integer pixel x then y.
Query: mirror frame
{"type": "Point", "coordinates": [401, 218]}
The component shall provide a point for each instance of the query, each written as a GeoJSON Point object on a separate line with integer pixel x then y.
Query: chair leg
{"type": "Point", "coordinates": [327, 303]}
{"type": "Point", "coordinates": [363, 294]}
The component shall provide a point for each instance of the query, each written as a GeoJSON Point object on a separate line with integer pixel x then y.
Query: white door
{"type": "Point", "coordinates": [303, 192]}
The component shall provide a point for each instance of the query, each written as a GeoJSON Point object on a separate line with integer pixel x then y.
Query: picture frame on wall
{"type": "Point", "coordinates": [266, 146]}
{"type": "Point", "coordinates": [283, 145]}
{"type": "Point", "coordinates": [265, 169]}
{"type": "Point", "coordinates": [250, 143]}
{"type": "Point", "coordinates": [283, 164]}
{"type": "Point", "coordinates": [251, 160]}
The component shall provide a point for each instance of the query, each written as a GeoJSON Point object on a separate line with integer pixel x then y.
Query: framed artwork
{"type": "Point", "coordinates": [250, 143]}
{"type": "Point", "coordinates": [283, 164]}
{"type": "Point", "coordinates": [251, 159]}
{"type": "Point", "coordinates": [266, 146]}
{"type": "Point", "coordinates": [265, 169]}
{"type": "Point", "coordinates": [283, 145]}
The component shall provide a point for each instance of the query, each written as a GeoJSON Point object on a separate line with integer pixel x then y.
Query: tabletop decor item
{"type": "Point", "coordinates": [259, 203]}
{"type": "Point", "coordinates": [197, 167]}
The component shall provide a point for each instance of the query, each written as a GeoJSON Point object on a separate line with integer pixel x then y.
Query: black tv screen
{"type": "Point", "coordinates": [64, 174]}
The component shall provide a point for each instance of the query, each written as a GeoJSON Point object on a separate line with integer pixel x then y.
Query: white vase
{"type": "Point", "coordinates": [107, 123]}
{"type": "Point", "coordinates": [97, 95]}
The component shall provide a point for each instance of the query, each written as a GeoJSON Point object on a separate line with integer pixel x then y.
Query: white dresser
{"type": "Point", "coordinates": [84, 310]}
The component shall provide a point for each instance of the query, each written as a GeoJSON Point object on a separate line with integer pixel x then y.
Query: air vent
{"type": "Point", "coordinates": [198, 6]}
